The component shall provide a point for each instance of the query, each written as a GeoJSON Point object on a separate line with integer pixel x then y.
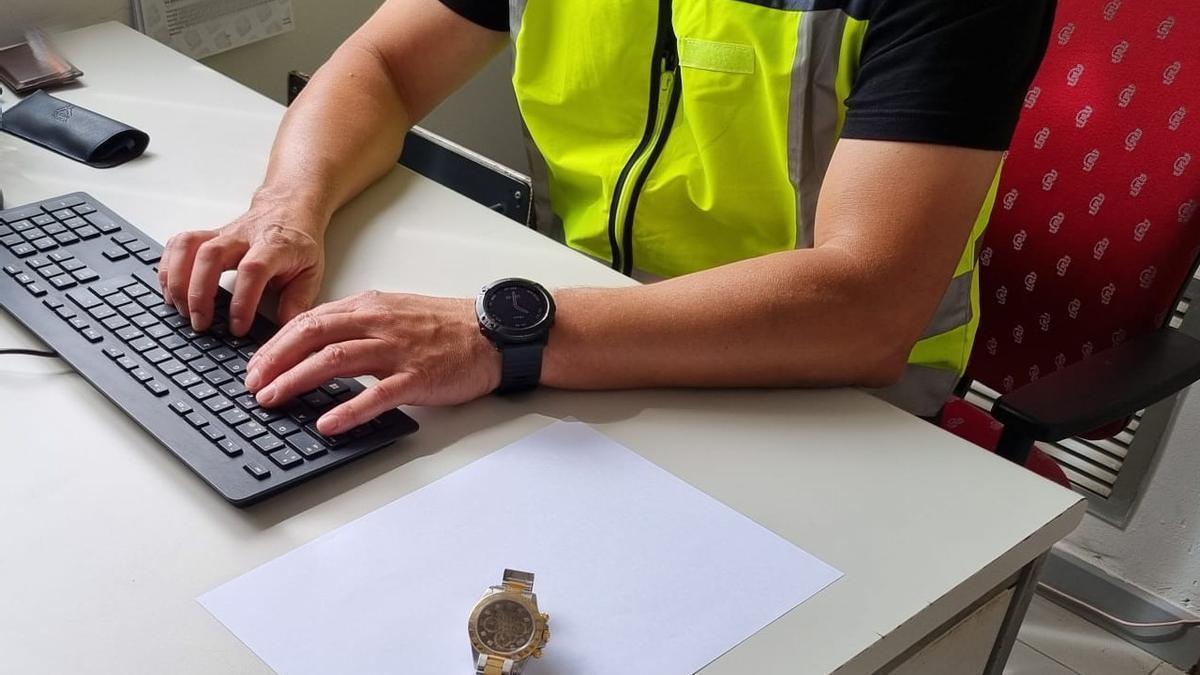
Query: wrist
{"type": "Point", "coordinates": [303, 210]}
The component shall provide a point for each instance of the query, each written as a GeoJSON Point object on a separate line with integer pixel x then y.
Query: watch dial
{"type": "Point", "coordinates": [505, 626]}
{"type": "Point", "coordinates": [516, 306]}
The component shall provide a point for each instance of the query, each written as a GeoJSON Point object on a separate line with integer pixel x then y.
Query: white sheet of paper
{"type": "Point", "coordinates": [640, 572]}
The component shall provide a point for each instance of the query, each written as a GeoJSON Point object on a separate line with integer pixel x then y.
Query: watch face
{"type": "Point", "coordinates": [516, 306]}
{"type": "Point", "coordinates": [504, 626]}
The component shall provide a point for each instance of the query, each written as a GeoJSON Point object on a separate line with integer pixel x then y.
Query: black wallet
{"type": "Point", "coordinates": [73, 132]}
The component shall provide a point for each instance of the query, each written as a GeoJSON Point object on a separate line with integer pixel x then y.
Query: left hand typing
{"type": "Point", "coordinates": [424, 350]}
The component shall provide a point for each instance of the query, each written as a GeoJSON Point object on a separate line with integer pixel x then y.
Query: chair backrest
{"type": "Point", "coordinates": [1095, 229]}
{"type": "Point", "coordinates": [468, 173]}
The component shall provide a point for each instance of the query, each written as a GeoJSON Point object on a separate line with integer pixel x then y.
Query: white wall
{"type": "Point", "coordinates": [1159, 550]}
{"type": "Point", "coordinates": [482, 116]}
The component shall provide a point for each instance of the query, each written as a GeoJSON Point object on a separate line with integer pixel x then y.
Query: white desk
{"type": "Point", "coordinates": [107, 538]}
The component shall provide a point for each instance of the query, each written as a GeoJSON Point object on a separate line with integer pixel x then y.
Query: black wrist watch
{"type": "Point", "coordinates": [516, 315]}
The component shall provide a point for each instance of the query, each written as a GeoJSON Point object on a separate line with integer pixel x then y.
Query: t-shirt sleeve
{"type": "Point", "coordinates": [951, 72]}
{"type": "Point", "coordinates": [487, 13]}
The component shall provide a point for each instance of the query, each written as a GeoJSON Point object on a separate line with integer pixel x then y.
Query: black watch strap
{"type": "Point", "coordinates": [520, 367]}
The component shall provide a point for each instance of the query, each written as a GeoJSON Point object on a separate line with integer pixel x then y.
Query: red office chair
{"type": "Point", "coordinates": [1094, 233]}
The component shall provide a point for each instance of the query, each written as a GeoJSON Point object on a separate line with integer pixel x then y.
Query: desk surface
{"type": "Point", "coordinates": [109, 539]}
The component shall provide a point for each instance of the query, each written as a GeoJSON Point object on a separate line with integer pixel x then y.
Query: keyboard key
{"type": "Point", "coordinates": [331, 441]}
{"type": "Point", "coordinates": [177, 321]}
{"type": "Point", "coordinates": [35, 290]}
{"type": "Point", "coordinates": [257, 470]}
{"type": "Point", "coordinates": [136, 246]}
{"type": "Point", "coordinates": [283, 426]}
{"type": "Point", "coordinates": [144, 320]}
{"type": "Point", "coordinates": [301, 413]}
{"type": "Point", "coordinates": [234, 417]}
{"type": "Point", "coordinates": [52, 228]}
{"type": "Point", "coordinates": [115, 322]}
{"type": "Point", "coordinates": [317, 399]}
{"type": "Point", "coordinates": [118, 299]}
{"type": "Point", "coordinates": [38, 263]}
{"type": "Point", "coordinates": [44, 244]}
{"type": "Point", "coordinates": [128, 333]}
{"type": "Point", "coordinates": [201, 391]}
{"type": "Point", "coordinates": [136, 290]}
{"type": "Point", "coordinates": [217, 377]}
{"type": "Point", "coordinates": [129, 310]}
{"type": "Point", "coordinates": [237, 342]}
{"type": "Point", "coordinates": [83, 298]}
{"type": "Point", "coordinates": [233, 389]}
{"type": "Point", "coordinates": [171, 367]}
{"type": "Point", "coordinates": [335, 387]}
{"type": "Point", "coordinates": [251, 430]}
{"type": "Point", "coordinates": [25, 279]}
{"type": "Point", "coordinates": [286, 458]}
{"type": "Point", "coordinates": [92, 335]}
{"type": "Point", "coordinates": [149, 301]}
{"type": "Point", "coordinates": [12, 270]}
{"type": "Point", "coordinates": [305, 444]}
{"type": "Point", "coordinates": [43, 219]}
{"type": "Point", "coordinates": [235, 366]}
{"type": "Point", "coordinates": [23, 250]}
{"type": "Point", "coordinates": [141, 374]}
{"type": "Point", "coordinates": [72, 265]}
{"type": "Point", "coordinates": [105, 289]}
{"type": "Point", "coordinates": [113, 353]}
{"type": "Point", "coordinates": [183, 351]}
{"type": "Point", "coordinates": [60, 256]}
{"type": "Point", "coordinates": [100, 312]}
{"type": "Point", "coordinates": [78, 322]}
{"type": "Point", "coordinates": [206, 342]}
{"type": "Point", "coordinates": [203, 365]}
{"type": "Point", "coordinates": [62, 281]}
{"type": "Point", "coordinates": [159, 331]}
{"type": "Point", "coordinates": [247, 402]}
{"type": "Point", "coordinates": [218, 354]}
{"type": "Point", "coordinates": [249, 351]}
{"type": "Point", "coordinates": [265, 415]}
{"type": "Point", "coordinates": [88, 232]}
{"type": "Point", "coordinates": [218, 403]}
{"type": "Point", "coordinates": [180, 406]}
{"type": "Point", "coordinates": [102, 223]}
{"type": "Point", "coordinates": [186, 379]}
{"type": "Point", "coordinates": [62, 213]}
{"type": "Point", "coordinates": [268, 443]}
{"type": "Point", "coordinates": [64, 312]}
{"type": "Point", "coordinates": [66, 238]}
{"type": "Point", "coordinates": [196, 419]}
{"type": "Point", "coordinates": [148, 257]}
{"type": "Point", "coordinates": [127, 363]}
{"type": "Point", "coordinates": [229, 447]}
{"type": "Point", "coordinates": [155, 387]}
{"type": "Point", "coordinates": [84, 209]}
{"type": "Point", "coordinates": [20, 223]}
{"type": "Point", "coordinates": [53, 303]}
{"type": "Point", "coordinates": [143, 344]}
{"type": "Point", "coordinates": [213, 433]}
{"type": "Point", "coordinates": [114, 254]}
{"type": "Point", "coordinates": [85, 275]}
{"type": "Point", "coordinates": [188, 332]}
{"type": "Point", "coordinates": [123, 238]}
{"type": "Point", "coordinates": [156, 355]}
{"type": "Point", "coordinates": [164, 311]}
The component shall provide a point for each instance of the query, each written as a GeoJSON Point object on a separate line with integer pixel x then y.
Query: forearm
{"type": "Point", "coordinates": [343, 132]}
{"type": "Point", "coordinates": [799, 318]}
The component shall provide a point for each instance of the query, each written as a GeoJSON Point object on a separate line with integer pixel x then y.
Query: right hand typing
{"type": "Point", "coordinates": [270, 244]}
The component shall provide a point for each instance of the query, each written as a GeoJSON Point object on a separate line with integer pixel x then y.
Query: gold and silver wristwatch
{"type": "Point", "coordinates": [506, 627]}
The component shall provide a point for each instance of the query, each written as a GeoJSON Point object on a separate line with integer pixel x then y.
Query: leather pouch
{"type": "Point", "coordinates": [73, 131]}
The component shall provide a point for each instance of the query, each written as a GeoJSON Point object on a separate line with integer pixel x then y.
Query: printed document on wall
{"type": "Point", "coordinates": [641, 573]}
{"type": "Point", "coordinates": [202, 28]}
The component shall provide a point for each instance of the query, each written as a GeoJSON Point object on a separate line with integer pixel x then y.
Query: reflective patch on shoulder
{"type": "Point", "coordinates": [722, 57]}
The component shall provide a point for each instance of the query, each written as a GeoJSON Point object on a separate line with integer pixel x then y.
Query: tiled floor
{"type": "Point", "coordinates": [1053, 641]}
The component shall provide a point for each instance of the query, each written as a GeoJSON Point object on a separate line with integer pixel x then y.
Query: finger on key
{"type": "Point", "coordinates": [253, 273]}
{"type": "Point", "coordinates": [340, 359]}
{"type": "Point", "coordinates": [302, 336]}
{"type": "Point", "coordinates": [183, 255]}
{"type": "Point", "coordinates": [213, 257]}
{"type": "Point", "coordinates": [329, 309]}
{"type": "Point", "coordinates": [387, 394]}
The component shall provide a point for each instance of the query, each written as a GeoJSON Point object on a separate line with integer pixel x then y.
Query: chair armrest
{"type": "Point", "coordinates": [1110, 385]}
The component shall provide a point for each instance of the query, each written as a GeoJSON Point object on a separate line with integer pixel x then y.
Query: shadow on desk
{"type": "Point", "coordinates": [506, 419]}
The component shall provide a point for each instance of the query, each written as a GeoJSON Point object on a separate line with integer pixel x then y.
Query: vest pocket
{"type": "Point", "coordinates": [720, 57]}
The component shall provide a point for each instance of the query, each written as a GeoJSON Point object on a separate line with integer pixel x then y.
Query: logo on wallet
{"type": "Point", "coordinates": [64, 113]}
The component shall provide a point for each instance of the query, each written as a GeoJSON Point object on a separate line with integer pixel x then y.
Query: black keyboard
{"type": "Point", "coordinates": [85, 282]}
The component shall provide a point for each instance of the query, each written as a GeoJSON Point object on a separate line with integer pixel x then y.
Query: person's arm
{"type": "Point", "coordinates": [343, 132]}
{"type": "Point", "coordinates": [892, 222]}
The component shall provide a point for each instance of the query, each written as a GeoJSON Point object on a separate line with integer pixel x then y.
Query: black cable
{"type": "Point", "coordinates": [29, 352]}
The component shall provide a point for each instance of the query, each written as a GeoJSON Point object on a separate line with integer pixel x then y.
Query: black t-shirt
{"type": "Point", "coordinates": [952, 72]}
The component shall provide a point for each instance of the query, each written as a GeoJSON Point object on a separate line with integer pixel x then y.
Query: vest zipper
{"type": "Point", "coordinates": [665, 89]}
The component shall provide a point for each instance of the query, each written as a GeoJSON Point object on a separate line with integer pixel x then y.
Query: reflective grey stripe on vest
{"type": "Point", "coordinates": [813, 112]}
{"type": "Point", "coordinates": [955, 308]}
{"type": "Point", "coordinates": [923, 390]}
